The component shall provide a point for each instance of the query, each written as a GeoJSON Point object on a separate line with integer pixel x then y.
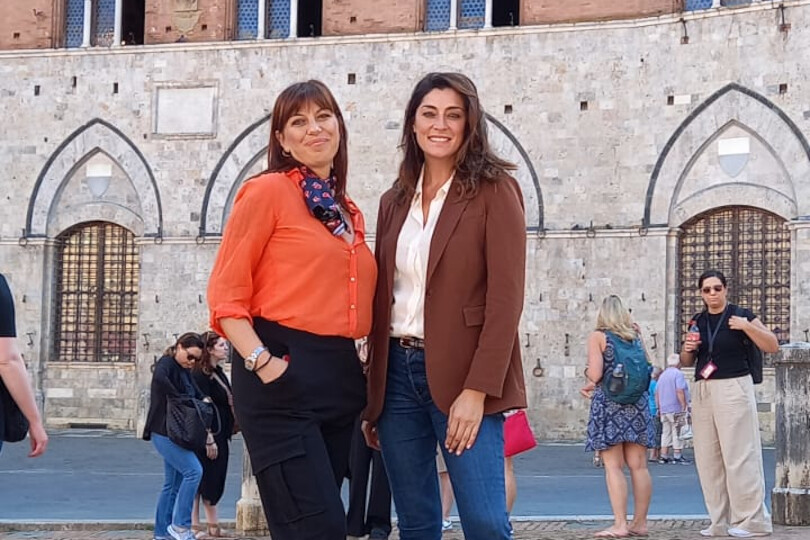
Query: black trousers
{"type": "Point", "coordinates": [298, 430]}
{"type": "Point", "coordinates": [359, 520]}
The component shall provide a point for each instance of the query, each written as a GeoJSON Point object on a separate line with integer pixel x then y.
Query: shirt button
{"type": "Point", "coordinates": [352, 252]}
{"type": "Point", "coordinates": [352, 279]}
{"type": "Point", "coordinates": [352, 306]}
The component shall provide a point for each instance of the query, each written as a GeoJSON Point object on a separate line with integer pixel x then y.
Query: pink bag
{"type": "Point", "coordinates": [517, 434]}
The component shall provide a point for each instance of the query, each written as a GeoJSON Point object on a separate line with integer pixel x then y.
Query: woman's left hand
{"type": "Point", "coordinates": [738, 323]}
{"type": "Point", "coordinates": [211, 451]}
{"type": "Point", "coordinates": [464, 420]}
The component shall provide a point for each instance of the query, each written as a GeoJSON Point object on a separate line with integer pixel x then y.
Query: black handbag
{"type": "Point", "coordinates": [188, 421]}
{"type": "Point", "coordinates": [13, 425]}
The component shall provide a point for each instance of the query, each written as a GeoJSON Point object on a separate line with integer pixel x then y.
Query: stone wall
{"type": "Point", "coordinates": [616, 129]}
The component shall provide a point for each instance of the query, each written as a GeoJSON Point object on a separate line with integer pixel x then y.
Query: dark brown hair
{"type": "Point", "coordinates": [210, 339]}
{"type": "Point", "coordinates": [187, 340]}
{"type": "Point", "coordinates": [711, 273]}
{"type": "Point", "coordinates": [291, 100]}
{"type": "Point", "coordinates": [475, 161]}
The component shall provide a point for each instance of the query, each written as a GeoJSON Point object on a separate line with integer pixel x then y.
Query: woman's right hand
{"type": "Point", "coordinates": [272, 370]}
{"type": "Point", "coordinates": [370, 434]}
{"type": "Point", "coordinates": [39, 439]}
{"type": "Point", "coordinates": [690, 346]}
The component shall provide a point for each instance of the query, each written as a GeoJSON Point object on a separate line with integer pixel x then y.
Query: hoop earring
{"type": "Point", "coordinates": [285, 153]}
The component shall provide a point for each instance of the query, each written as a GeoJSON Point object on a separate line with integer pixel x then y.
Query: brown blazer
{"type": "Point", "coordinates": [473, 299]}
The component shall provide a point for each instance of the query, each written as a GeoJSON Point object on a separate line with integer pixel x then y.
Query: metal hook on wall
{"type": "Point", "coordinates": [654, 337]}
{"type": "Point", "coordinates": [145, 340]}
{"type": "Point", "coordinates": [528, 340]}
{"type": "Point", "coordinates": [567, 348]}
{"type": "Point", "coordinates": [30, 338]}
{"type": "Point", "coordinates": [538, 369]}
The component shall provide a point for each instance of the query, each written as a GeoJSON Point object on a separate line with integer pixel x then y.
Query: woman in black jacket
{"type": "Point", "coordinates": [210, 378]}
{"type": "Point", "coordinates": [172, 378]}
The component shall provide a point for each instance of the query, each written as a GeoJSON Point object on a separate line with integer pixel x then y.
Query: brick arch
{"type": "Point", "coordinates": [731, 105]}
{"type": "Point", "coordinates": [95, 136]}
{"type": "Point", "coordinates": [251, 145]}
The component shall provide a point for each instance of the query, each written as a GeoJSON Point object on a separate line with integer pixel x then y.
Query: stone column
{"type": "Point", "coordinates": [293, 18]}
{"type": "Point", "coordinates": [453, 15]}
{"type": "Point", "coordinates": [117, 27]}
{"type": "Point", "coordinates": [790, 498]}
{"type": "Point", "coordinates": [88, 22]}
{"type": "Point", "coordinates": [488, 14]}
{"type": "Point", "coordinates": [261, 29]}
{"type": "Point", "coordinates": [249, 511]}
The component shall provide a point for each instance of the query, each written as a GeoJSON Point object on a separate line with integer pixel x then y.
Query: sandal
{"type": "Point", "coordinates": [597, 461]}
{"type": "Point", "coordinates": [607, 533]}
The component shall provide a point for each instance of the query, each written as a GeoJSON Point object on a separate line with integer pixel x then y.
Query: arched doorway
{"type": "Point", "coordinates": [752, 248]}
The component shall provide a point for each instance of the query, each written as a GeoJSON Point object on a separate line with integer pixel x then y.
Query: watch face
{"type": "Point", "coordinates": [249, 362]}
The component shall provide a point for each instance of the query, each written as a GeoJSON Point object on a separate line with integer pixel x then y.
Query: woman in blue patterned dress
{"type": "Point", "coordinates": [622, 433]}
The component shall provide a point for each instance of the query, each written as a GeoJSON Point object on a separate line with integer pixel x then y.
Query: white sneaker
{"type": "Point", "coordinates": [186, 534]}
{"type": "Point", "coordinates": [706, 532]}
{"type": "Point", "coordinates": [742, 533]}
{"type": "Point", "coordinates": [447, 525]}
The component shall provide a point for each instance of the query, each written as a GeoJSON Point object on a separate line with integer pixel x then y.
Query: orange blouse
{"type": "Point", "coordinates": [278, 262]}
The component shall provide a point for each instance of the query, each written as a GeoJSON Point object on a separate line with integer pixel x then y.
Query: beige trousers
{"type": "Point", "coordinates": [728, 454]}
{"type": "Point", "coordinates": [670, 430]}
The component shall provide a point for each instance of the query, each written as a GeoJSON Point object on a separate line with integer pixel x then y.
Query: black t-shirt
{"type": "Point", "coordinates": [729, 353]}
{"type": "Point", "coordinates": [7, 324]}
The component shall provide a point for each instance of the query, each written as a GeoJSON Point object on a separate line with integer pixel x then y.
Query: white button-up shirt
{"type": "Point", "coordinates": [410, 274]}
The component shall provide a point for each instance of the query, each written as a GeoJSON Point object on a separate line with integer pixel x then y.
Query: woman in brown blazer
{"type": "Point", "coordinates": [445, 356]}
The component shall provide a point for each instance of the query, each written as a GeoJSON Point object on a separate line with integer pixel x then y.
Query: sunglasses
{"type": "Point", "coordinates": [716, 288]}
{"type": "Point", "coordinates": [192, 358]}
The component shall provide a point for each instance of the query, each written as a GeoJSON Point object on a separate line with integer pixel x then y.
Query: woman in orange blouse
{"type": "Point", "coordinates": [291, 289]}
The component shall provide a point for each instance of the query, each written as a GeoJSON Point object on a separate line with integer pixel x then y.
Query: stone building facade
{"type": "Point", "coordinates": [646, 147]}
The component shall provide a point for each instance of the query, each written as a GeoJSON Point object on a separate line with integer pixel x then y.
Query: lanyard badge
{"type": "Point", "coordinates": [709, 369]}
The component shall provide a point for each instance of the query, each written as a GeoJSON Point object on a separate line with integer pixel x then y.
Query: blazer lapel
{"type": "Point", "coordinates": [388, 249]}
{"type": "Point", "coordinates": [453, 207]}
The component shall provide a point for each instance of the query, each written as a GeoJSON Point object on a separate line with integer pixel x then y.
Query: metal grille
{"type": "Point", "coordinates": [437, 15]}
{"type": "Point", "coordinates": [74, 23]}
{"type": "Point", "coordinates": [752, 248]}
{"type": "Point", "coordinates": [695, 5]}
{"type": "Point", "coordinates": [471, 13]}
{"type": "Point", "coordinates": [104, 19]}
{"type": "Point", "coordinates": [96, 294]}
{"type": "Point", "coordinates": [247, 19]}
{"type": "Point", "coordinates": [278, 19]}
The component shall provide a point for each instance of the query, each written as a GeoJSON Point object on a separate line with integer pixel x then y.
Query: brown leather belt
{"type": "Point", "coordinates": [407, 342]}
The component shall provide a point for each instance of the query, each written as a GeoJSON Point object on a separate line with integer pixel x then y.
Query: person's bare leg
{"type": "Point", "coordinates": [195, 513]}
{"type": "Point", "coordinates": [642, 486]}
{"type": "Point", "coordinates": [447, 494]}
{"type": "Point", "coordinates": [211, 518]}
{"type": "Point", "coordinates": [511, 485]}
{"type": "Point", "coordinates": [613, 459]}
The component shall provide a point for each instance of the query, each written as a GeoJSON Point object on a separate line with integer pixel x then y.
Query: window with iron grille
{"type": "Point", "coordinates": [97, 272]}
{"type": "Point", "coordinates": [752, 249]}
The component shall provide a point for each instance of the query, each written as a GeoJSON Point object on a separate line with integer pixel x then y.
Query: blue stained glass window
{"type": "Point", "coordinates": [105, 22]}
{"type": "Point", "coordinates": [74, 23]}
{"type": "Point", "coordinates": [694, 5]}
{"type": "Point", "coordinates": [472, 13]}
{"type": "Point", "coordinates": [437, 15]}
{"type": "Point", "coordinates": [247, 19]}
{"type": "Point", "coordinates": [278, 19]}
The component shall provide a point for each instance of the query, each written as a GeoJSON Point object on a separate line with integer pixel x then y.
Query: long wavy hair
{"type": "Point", "coordinates": [475, 161]}
{"type": "Point", "coordinates": [210, 339]}
{"type": "Point", "coordinates": [291, 100]}
{"type": "Point", "coordinates": [613, 316]}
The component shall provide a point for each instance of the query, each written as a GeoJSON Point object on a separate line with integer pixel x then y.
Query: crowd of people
{"type": "Point", "coordinates": [403, 361]}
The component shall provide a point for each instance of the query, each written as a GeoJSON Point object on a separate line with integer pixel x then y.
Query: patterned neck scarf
{"type": "Point", "coordinates": [320, 198]}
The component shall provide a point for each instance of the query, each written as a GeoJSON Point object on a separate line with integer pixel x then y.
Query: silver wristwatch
{"type": "Point", "coordinates": [250, 361]}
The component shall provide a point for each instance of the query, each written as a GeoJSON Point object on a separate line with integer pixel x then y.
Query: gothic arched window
{"type": "Point", "coordinates": [97, 272]}
{"type": "Point", "coordinates": [752, 248]}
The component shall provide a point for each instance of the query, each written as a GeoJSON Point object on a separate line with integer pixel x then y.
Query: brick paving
{"type": "Point", "coordinates": [524, 530]}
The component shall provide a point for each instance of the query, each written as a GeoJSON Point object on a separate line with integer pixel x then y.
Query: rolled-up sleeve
{"type": "Point", "coordinates": [249, 228]}
{"type": "Point", "coordinates": [506, 270]}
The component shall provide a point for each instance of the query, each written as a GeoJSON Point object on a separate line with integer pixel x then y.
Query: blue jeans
{"type": "Point", "coordinates": [409, 428]}
{"type": "Point", "coordinates": [182, 478]}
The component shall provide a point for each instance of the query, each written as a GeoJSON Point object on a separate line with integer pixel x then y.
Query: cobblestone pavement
{"type": "Point", "coordinates": [524, 530]}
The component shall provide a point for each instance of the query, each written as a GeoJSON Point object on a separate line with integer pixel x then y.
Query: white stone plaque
{"type": "Point", "coordinates": [185, 111]}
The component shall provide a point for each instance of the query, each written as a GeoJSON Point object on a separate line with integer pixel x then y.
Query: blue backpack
{"type": "Point", "coordinates": [629, 376]}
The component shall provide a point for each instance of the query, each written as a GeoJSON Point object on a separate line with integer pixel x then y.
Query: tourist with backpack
{"type": "Point", "coordinates": [724, 343]}
{"type": "Point", "coordinates": [620, 425]}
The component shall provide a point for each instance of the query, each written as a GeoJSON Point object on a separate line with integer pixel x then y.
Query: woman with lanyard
{"type": "Point", "coordinates": [728, 451]}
